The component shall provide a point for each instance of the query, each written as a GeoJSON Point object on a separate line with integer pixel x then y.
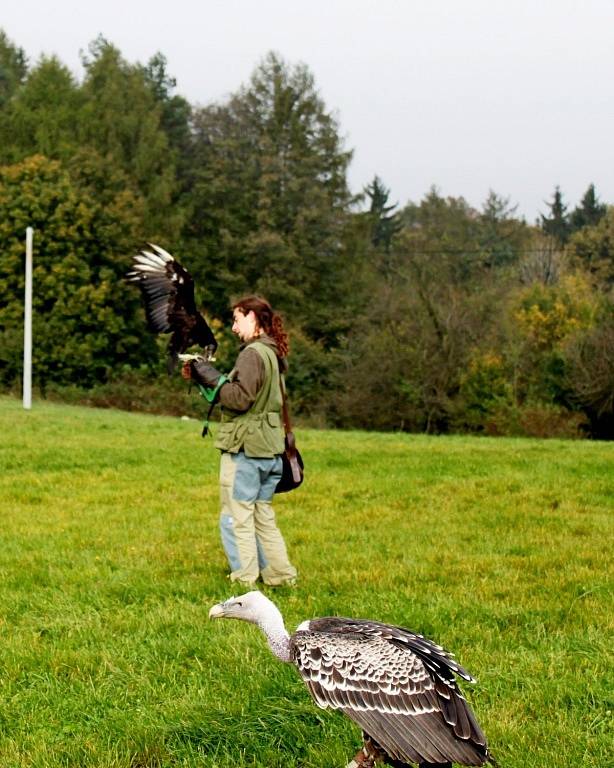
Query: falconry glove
{"type": "Point", "coordinates": [204, 373]}
{"type": "Point", "coordinates": [209, 381]}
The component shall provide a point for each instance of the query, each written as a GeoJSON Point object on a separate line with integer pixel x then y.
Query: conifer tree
{"type": "Point", "coordinates": [502, 235]}
{"type": "Point", "coordinates": [13, 68]}
{"type": "Point", "coordinates": [385, 224]}
{"type": "Point", "coordinates": [122, 120]}
{"type": "Point", "coordinates": [176, 111]}
{"type": "Point", "coordinates": [43, 115]}
{"type": "Point", "coordinates": [557, 223]}
{"type": "Point", "coordinates": [270, 196]}
{"type": "Point", "coordinates": [589, 212]}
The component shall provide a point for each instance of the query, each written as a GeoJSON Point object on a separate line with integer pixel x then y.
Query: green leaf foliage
{"type": "Point", "coordinates": [84, 319]}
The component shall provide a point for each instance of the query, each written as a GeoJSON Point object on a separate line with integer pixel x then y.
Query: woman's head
{"type": "Point", "coordinates": [253, 315]}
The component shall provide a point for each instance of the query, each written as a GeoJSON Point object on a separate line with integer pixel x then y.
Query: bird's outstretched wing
{"type": "Point", "coordinates": [168, 293]}
{"type": "Point", "coordinates": [397, 686]}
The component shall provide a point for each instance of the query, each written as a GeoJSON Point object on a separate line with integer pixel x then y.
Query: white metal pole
{"type": "Point", "coordinates": [27, 324]}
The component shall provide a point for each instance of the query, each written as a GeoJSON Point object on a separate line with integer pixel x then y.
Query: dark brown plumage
{"type": "Point", "coordinates": [168, 293]}
{"type": "Point", "coordinates": [399, 687]}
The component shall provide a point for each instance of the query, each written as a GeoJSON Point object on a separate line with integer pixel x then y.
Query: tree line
{"type": "Point", "coordinates": [434, 316]}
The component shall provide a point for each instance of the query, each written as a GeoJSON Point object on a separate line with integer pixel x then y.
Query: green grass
{"type": "Point", "coordinates": [500, 549]}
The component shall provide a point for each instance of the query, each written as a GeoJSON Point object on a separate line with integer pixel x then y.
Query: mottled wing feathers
{"type": "Point", "coordinates": [398, 686]}
{"type": "Point", "coordinates": [168, 293]}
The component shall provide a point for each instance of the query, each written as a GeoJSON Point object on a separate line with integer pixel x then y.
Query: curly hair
{"type": "Point", "coordinates": [268, 320]}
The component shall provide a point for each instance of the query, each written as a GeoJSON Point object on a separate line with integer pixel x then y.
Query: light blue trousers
{"type": "Point", "coordinates": [252, 541]}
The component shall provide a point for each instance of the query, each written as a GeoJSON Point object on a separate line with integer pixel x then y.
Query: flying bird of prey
{"type": "Point", "coordinates": [399, 687]}
{"type": "Point", "coordinates": [168, 293]}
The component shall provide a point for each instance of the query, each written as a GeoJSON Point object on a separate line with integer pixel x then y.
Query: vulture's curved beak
{"type": "Point", "coordinates": [217, 611]}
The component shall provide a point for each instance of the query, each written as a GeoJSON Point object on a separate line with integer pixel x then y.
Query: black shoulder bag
{"type": "Point", "coordinates": [292, 472]}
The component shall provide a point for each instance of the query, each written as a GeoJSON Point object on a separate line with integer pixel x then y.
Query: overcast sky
{"type": "Point", "coordinates": [468, 95]}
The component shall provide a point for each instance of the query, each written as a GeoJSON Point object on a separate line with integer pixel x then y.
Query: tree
{"type": "Point", "coordinates": [412, 342]}
{"type": "Point", "coordinates": [122, 120]}
{"type": "Point", "coordinates": [589, 212]}
{"type": "Point", "coordinates": [42, 117]}
{"type": "Point", "coordinates": [270, 197]}
{"type": "Point", "coordinates": [442, 236]}
{"type": "Point", "coordinates": [176, 114]}
{"type": "Point", "coordinates": [590, 372]}
{"type": "Point", "coordinates": [502, 236]}
{"type": "Point", "coordinates": [85, 321]}
{"type": "Point", "coordinates": [592, 247]}
{"type": "Point", "coordinates": [13, 68]}
{"type": "Point", "coordinates": [542, 262]}
{"type": "Point", "coordinates": [557, 223]}
{"type": "Point", "coordinates": [543, 319]}
{"type": "Point", "coordinates": [384, 224]}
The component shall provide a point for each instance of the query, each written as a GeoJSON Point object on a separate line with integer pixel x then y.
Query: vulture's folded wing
{"type": "Point", "coordinates": [399, 687]}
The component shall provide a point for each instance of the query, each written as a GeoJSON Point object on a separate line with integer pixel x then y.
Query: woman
{"type": "Point", "coordinates": [251, 439]}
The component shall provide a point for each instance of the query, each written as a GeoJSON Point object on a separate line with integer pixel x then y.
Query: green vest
{"type": "Point", "coordinates": [258, 431]}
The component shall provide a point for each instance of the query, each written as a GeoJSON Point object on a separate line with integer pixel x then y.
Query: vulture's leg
{"type": "Point", "coordinates": [361, 759]}
{"type": "Point", "coordinates": [369, 755]}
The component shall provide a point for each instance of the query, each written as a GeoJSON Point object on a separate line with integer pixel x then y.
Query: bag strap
{"type": "Point", "coordinates": [284, 406]}
{"type": "Point", "coordinates": [290, 441]}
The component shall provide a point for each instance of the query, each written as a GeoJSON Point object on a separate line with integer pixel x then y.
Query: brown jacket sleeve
{"type": "Point", "coordinates": [247, 379]}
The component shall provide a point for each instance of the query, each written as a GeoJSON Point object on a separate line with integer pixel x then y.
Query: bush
{"type": "Point", "coordinates": [484, 391]}
{"type": "Point", "coordinates": [536, 420]}
{"type": "Point", "coordinates": [136, 390]}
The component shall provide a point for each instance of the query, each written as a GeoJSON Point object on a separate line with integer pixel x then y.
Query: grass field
{"type": "Point", "coordinates": [499, 549]}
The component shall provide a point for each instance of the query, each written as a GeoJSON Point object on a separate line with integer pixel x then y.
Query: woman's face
{"type": "Point", "coordinates": [244, 326]}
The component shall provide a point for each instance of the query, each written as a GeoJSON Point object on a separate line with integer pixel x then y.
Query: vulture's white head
{"type": "Point", "coordinates": [252, 606]}
{"type": "Point", "coordinates": [257, 609]}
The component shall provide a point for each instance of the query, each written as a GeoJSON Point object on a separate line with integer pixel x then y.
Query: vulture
{"type": "Point", "coordinates": [168, 293]}
{"type": "Point", "coordinates": [399, 687]}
